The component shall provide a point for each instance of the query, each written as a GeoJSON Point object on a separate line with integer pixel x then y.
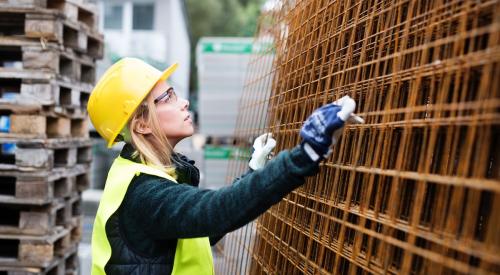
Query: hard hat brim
{"type": "Point", "coordinates": [163, 77]}
{"type": "Point", "coordinates": [166, 73]}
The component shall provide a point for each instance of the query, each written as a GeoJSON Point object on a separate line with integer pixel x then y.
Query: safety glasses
{"type": "Point", "coordinates": [168, 96]}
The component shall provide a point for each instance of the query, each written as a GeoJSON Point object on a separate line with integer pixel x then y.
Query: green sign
{"type": "Point", "coordinates": [235, 47]}
{"type": "Point", "coordinates": [212, 152]}
{"type": "Point", "coordinates": [225, 152]}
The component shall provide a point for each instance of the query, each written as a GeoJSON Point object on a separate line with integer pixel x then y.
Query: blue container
{"type": "Point", "coordinates": [4, 124]}
{"type": "Point", "coordinates": [8, 148]}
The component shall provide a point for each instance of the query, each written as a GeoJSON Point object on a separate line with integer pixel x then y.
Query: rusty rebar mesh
{"type": "Point", "coordinates": [416, 188]}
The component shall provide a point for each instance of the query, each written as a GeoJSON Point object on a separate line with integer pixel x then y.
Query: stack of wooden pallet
{"type": "Point", "coordinates": [48, 50]}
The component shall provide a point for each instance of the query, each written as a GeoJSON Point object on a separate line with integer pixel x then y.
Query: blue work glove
{"type": "Point", "coordinates": [263, 145]}
{"type": "Point", "coordinates": [324, 126]}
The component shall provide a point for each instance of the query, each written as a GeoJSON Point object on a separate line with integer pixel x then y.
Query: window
{"type": "Point", "coordinates": [113, 16]}
{"type": "Point", "coordinates": [143, 16]}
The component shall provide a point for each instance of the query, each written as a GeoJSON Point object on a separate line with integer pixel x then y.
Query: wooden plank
{"type": "Point", "coordinates": [26, 126]}
{"type": "Point", "coordinates": [57, 97]}
{"type": "Point", "coordinates": [19, 106]}
{"type": "Point", "coordinates": [43, 158]}
{"type": "Point", "coordinates": [76, 227]}
{"type": "Point", "coordinates": [53, 143]}
{"type": "Point", "coordinates": [73, 10]}
{"type": "Point", "coordinates": [35, 158]}
{"type": "Point", "coordinates": [38, 189]}
{"type": "Point", "coordinates": [41, 223]}
{"type": "Point", "coordinates": [13, 73]}
{"type": "Point", "coordinates": [35, 251]}
{"type": "Point", "coordinates": [56, 94]}
{"type": "Point", "coordinates": [34, 220]}
{"type": "Point", "coordinates": [64, 265]}
{"type": "Point", "coordinates": [66, 64]}
{"type": "Point", "coordinates": [30, 155]}
{"type": "Point", "coordinates": [45, 26]}
{"type": "Point", "coordinates": [69, 9]}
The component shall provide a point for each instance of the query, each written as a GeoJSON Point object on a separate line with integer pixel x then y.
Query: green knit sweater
{"type": "Point", "coordinates": [156, 210]}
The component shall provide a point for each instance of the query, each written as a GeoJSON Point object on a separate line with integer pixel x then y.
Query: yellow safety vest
{"type": "Point", "coordinates": [192, 256]}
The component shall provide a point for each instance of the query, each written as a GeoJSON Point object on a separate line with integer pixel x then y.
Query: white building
{"type": "Point", "coordinates": [222, 66]}
{"type": "Point", "coordinates": [225, 65]}
{"type": "Point", "coordinates": [153, 30]}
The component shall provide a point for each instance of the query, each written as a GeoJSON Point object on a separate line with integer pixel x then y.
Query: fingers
{"type": "Point", "coordinates": [271, 143]}
{"type": "Point", "coordinates": [347, 105]}
{"type": "Point", "coordinates": [261, 140]}
{"type": "Point", "coordinates": [354, 119]}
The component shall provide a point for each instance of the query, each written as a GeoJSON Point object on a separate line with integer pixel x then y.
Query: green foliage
{"type": "Point", "coordinates": [220, 18]}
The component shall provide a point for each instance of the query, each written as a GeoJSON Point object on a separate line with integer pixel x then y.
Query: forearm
{"type": "Point", "coordinates": [187, 212]}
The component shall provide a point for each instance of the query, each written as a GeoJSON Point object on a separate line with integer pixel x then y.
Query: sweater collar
{"type": "Point", "coordinates": [184, 167]}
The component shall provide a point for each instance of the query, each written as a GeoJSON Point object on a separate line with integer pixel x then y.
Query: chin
{"type": "Point", "coordinates": [188, 133]}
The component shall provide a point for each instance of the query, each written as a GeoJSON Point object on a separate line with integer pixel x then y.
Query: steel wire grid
{"type": "Point", "coordinates": [416, 188]}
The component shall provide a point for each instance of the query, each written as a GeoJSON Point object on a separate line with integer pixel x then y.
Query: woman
{"type": "Point", "coordinates": [152, 218]}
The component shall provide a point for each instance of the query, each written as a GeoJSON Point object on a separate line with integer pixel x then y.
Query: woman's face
{"type": "Point", "coordinates": [172, 113]}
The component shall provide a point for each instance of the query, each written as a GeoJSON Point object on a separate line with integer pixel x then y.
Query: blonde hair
{"type": "Point", "coordinates": [154, 148]}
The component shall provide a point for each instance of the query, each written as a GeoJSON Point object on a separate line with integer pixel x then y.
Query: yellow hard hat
{"type": "Point", "coordinates": [119, 92]}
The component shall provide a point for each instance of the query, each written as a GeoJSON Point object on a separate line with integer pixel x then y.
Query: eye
{"type": "Point", "coordinates": [171, 96]}
{"type": "Point", "coordinates": [168, 98]}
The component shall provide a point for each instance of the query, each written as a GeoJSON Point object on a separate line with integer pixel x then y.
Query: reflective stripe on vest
{"type": "Point", "coordinates": [192, 256]}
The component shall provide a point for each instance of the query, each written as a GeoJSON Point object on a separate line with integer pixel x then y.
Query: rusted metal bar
{"type": "Point", "coordinates": [415, 188]}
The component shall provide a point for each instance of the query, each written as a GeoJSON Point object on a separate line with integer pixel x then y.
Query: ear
{"type": "Point", "coordinates": [142, 128]}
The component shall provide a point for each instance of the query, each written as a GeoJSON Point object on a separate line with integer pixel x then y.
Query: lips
{"type": "Point", "coordinates": [187, 118]}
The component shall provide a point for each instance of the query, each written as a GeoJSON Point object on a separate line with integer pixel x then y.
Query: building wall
{"type": "Point", "coordinates": [172, 20]}
{"type": "Point", "coordinates": [168, 42]}
{"type": "Point", "coordinates": [222, 68]}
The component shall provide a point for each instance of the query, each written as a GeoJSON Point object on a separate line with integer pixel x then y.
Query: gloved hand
{"type": "Point", "coordinates": [263, 145]}
{"type": "Point", "coordinates": [324, 126]}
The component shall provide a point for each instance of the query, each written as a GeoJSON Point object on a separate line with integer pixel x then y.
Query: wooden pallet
{"type": "Point", "coordinates": [67, 264]}
{"type": "Point", "coordinates": [76, 228]}
{"type": "Point", "coordinates": [32, 156]}
{"type": "Point", "coordinates": [43, 188]}
{"type": "Point", "coordinates": [65, 98]}
{"type": "Point", "coordinates": [68, 95]}
{"type": "Point", "coordinates": [75, 218]}
{"type": "Point", "coordinates": [32, 126]}
{"type": "Point", "coordinates": [73, 10]}
{"type": "Point", "coordinates": [33, 220]}
{"type": "Point", "coordinates": [50, 99]}
{"type": "Point", "coordinates": [27, 105]}
{"type": "Point", "coordinates": [66, 64]}
{"type": "Point", "coordinates": [43, 26]}
{"type": "Point", "coordinates": [39, 251]}
{"type": "Point", "coordinates": [42, 220]}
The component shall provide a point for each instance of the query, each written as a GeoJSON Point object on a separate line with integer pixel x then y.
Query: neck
{"type": "Point", "coordinates": [173, 141]}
